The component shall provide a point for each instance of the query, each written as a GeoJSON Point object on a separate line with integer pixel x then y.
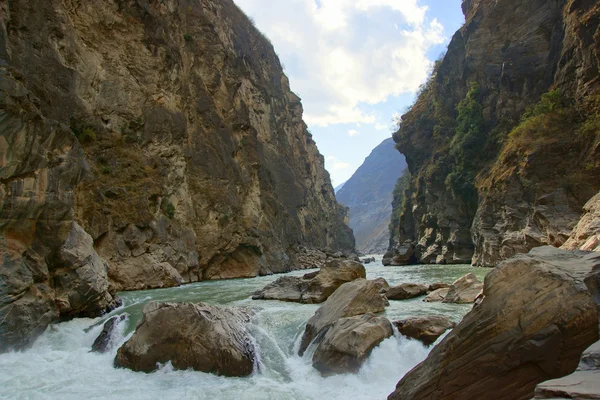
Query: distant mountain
{"type": "Point", "coordinates": [338, 187]}
{"type": "Point", "coordinates": [368, 194]}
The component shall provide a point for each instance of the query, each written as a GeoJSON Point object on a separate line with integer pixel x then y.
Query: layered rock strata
{"type": "Point", "coordinates": [537, 317]}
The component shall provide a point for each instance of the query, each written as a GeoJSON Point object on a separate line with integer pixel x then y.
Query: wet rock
{"type": "Point", "coordinates": [464, 290]}
{"type": "Point", "coordinates": [368, 260]}
{"type": "Point", "coordinates": [536, 319]}
{"type": "Point", "coordinates": [426, 329]}
{"type": "Point", "coordinates": [315, 287]}
{"type": "Point", "coordinates": [586, 235]}
{"type": "Point", "coordinates": [438, 285]}
{"type": "Point", "coordinates": [584, 383]}
{"type": "Point", "coordinates": [102, 344]}
{"type": "Point", "coordinates": [353, 298]}
{"type": "Point", "coordinates": [349, 342]}
{"type": "Point", "coordinates": [192, 336]}
{"type": "Point", "coordinates": [406, 291]}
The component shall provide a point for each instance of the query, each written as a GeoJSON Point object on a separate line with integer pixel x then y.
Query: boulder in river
{"type": "Point", "coordinates": [584, 383]}
{"type": "Point", "coordinates": [463, 290]}
{"type": "Point", "coordinates": [349, 342]}
{"type": "Point", "coordinates": [102, 344]}
{"type": "Point", "coordinates": [406, 291]}
{"type": "Point", "coordinates": [586, 235]}
{"type": "Point", "coordinates": [426, 329]}
{"type": "Point", "coordinates": [313, 288]}
{"type": "Point", "coordinates": [192, 336]}
{"type": "Point", "coordinates": [353, 298]}
{"type": "Point", "coordinates": [535, 320]}
{"type": "Point", "coordinates": [403, 254]}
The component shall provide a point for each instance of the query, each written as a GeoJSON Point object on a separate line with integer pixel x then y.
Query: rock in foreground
{"type": "Point", "coordinates": [349, 343]}
{"type": "Point", "coordinates": [426, 329]}
{"type": "Point", "coordinates": [313, 288]}
{"type": "Point", "coordinates": [536, 319]}
{"type": "Point", "coordinates": [353, 298]}
{"type": "Point", "coordinates": [191, 336]}
{"type": "Point", "coordinates": [582, 384]}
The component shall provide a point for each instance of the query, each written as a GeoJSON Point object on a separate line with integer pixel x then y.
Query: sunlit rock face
{"type": "Point", "coordinates": [495, 177]}
{"type": "Point", "coordinates": [168, 131]}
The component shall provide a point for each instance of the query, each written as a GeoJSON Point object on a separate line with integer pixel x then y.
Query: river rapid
{"type": "Point", "coordinates": [60, 366]}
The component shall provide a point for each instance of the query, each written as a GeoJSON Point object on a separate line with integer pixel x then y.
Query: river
{"type": "Point", "coordinates": [60, 366]}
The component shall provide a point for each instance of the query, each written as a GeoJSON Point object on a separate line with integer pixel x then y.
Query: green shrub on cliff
{"type": "Point", "coordinates": [467, 145]}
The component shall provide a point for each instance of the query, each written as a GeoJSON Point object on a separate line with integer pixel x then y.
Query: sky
{"type": "Point", "coordinates": [356, 64]}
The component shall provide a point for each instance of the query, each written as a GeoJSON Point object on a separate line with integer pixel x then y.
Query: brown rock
{"type": "Point", "coordinates": [437, 295]}
{"type": "Point", "coordinates": [584, 383]}
{"type": "Point", "coordinates": [536, 319]}
{"type": "Point", "coordinates": [464, 290]}
{"type": "Point", "coordinates": [439, 285]}
{"type": "Point", "coordinates": [427, 329]}
{"type": "Point", "coordinates": [313, 288]}
{"type": "Point", "coordinates": [406, 291]}
{"type": "Point", "coordinates": [353, 298]}
{"type": "Point", "coordinates": [349, 342]}
{"type": "Point", "coordinates": [192, 336]}
{"type": "Point", "coordinates": [385, 286]}
{"type": "Point", "coordinates": [586, 235]}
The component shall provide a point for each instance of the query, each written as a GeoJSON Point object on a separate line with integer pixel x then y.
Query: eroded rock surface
{"type": "Point", "coordinates": [464, 290]}
{"type": "Point", "coordinates": [313, 288]}
{"type": "Point", "coordinates": [535, 320]}
{"type": "Point", "coordinates": [349, 342]}
{"type": "Point", "coordinates": [351, 299]}
{"type": "Point", "coordinates": [192, 336]}
{"type": "Point", "coordinates": [105, 339]}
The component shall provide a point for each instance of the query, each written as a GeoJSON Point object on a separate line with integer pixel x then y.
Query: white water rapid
{"type": "Point", "coordinates": [60, 365]}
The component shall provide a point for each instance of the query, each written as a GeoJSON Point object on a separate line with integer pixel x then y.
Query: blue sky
{"type": "Point", "coordinates": [356, 64]}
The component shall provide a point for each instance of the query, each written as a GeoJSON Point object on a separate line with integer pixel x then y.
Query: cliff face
{"type": "Point", "coordinates": [368, 195]}
{"type": "Point", "coordinates": [503, 142]}
{"type": "Point", "coordinates": [168, 131]}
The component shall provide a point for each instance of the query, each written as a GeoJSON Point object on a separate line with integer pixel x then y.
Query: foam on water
{"type": "Point", "coordinates": [61, 366]}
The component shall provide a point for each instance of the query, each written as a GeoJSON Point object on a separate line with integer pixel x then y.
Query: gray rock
{"type": "Point", "coordinates": [192, 336]}
{"type": "Point", "coordinates": [102, 343]}
{"type": "Point", "coordinates": [353, 298]}
{"type": "Point", "coordinates": [349, 342]}
{"type": "Point", "coordinates": [315, 287]}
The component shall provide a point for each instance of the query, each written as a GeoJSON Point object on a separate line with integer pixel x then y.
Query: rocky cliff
{"type": "Point", "coordinates": [503, 142]}
{"type": "Point", "coordinates": [168, 131]}
{"type": "Point", "coordinates": [368, 195]}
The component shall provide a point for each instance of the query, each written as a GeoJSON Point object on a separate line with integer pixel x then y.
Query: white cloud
{"type": "Point", "coordinates": [333, 164]}
{"type": "Point", "coordinates": [343, 53]}
{"type": "Point", "coordinates": [352, 132]}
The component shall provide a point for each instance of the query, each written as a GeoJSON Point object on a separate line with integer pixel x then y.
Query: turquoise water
{"type": "Point", "coordinates": [59, 365]}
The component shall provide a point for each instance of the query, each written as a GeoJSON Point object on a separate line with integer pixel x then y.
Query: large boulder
{"type": "Point", "coordinates": [437, 295]}
{"type": "Point", "coordinates": [586, 235]}
{"type": "Point", "coordinates": [406, 291]}
{"type": "Point", "coordinates": [426, 329]}
{"type": "Point", "coordinates": [353, 298]}
{"type": "Point", "coordinates": [192, 336]}
{"type": "Point", "coordinates": [313, 288]}
{"type": "Point", "coordinates": [535, 320]}
{"type": "Point", "coordinates": [349, 342]}
{"type": "Point", "coordinates": [584, 383]}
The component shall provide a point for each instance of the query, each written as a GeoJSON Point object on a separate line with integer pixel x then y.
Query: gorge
{"type": "Point", "coordinates": [168, 228]}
